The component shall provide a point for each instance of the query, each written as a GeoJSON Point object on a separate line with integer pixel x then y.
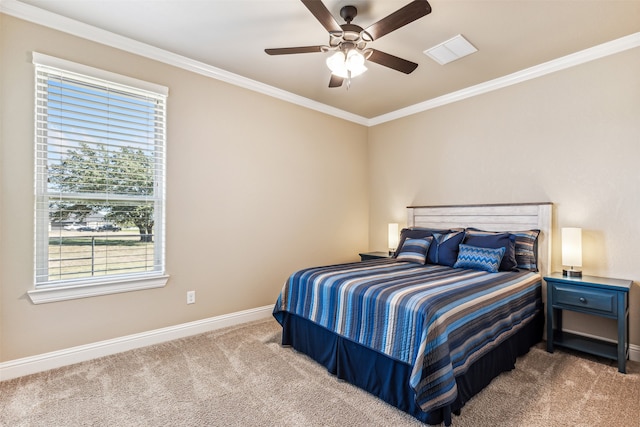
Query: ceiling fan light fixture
{"type": "Point", "coordinates": [355, 60]}
{"type": "Point", "coordinates": [347, 66]}
{"type": "Point", "coordinates": [336, 61]}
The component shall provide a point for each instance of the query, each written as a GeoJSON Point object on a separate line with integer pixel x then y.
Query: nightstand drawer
{"type": "Point", "coordinates": [581, 299]}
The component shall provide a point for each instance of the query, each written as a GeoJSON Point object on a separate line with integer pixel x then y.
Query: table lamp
{"type": "Point", "coordinates": [393, 238]}
{"type": "Point", "coordinates": [572, 251]}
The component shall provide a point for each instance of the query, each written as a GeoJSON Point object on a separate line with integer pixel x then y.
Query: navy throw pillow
{"type": "Point", "coordinates": [495, 241]}
{"type": "Point", "coordinates": [444, 248]}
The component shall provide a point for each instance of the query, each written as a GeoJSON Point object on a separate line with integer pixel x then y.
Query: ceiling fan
{"type": "Point", "coordinates": [349, 41]}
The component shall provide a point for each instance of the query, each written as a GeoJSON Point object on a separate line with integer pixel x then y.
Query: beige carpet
{"type": "Point", "coordinates": [241, 376]}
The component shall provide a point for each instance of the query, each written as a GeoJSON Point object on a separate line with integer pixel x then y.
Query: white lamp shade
{"type": "Point", "coordinates": [572, 247]}
{"type": "Point", "coordinates": [355, 62]}
{"type": "Point", "coordinates": [341, 65]}
{"type": "Point", "coordinates": [393, 236]}
{"type": "Point", "coordinates": [336, 61]}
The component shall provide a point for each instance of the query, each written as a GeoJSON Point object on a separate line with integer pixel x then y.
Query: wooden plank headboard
{"type": "Point", "coordinates": [495, 217]}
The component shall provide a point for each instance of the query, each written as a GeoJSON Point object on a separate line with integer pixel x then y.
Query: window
{"type": "Point", "coordinates": [100, 167]}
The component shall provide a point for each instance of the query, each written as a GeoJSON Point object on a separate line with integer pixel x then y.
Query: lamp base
{"type": "Point", "coordinates": [572, 273]}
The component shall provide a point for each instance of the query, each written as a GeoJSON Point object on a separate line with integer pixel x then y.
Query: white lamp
{"type": "Point", "coordinates": [393, 238]}
{"type": "Point", "coordinates": [572, 251]}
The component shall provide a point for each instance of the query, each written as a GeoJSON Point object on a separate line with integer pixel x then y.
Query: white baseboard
{"type": "Point", "coordinates": [56, 359]}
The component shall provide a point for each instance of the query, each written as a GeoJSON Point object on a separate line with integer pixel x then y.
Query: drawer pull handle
{"type": "Point", "coordinates": [583, 300]}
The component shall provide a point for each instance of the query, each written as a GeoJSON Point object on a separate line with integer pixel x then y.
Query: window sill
{"type": "Point", "coordinates": [95, 288]}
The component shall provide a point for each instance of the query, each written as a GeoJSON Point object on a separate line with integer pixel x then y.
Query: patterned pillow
{"type": "Point", "coordinates": [415, 250]}
{"type": "Point", "coordinates": [495, 241]}
{"type": "Point", "coordinates": [486, 259]}
{"type": "Point", "coordinates": [444, 249]}
{"type": "Point", "coordinates": [417, 233]}
{"type": "Point", "coordinates": [526, 247]}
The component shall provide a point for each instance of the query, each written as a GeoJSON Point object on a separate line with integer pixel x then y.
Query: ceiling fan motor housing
{"type": "Point", "coordinates": [348, 13]}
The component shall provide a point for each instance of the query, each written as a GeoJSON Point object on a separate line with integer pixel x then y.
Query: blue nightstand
{"type": "Point", "coordinates": [598, 296]}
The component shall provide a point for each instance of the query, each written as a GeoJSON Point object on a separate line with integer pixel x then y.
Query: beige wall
{"type": "Point", "coordinates": [256, 188]}
{"type": "Point", "coordinates": [294, 184]}
{"type": "Point", "coordinates": [572, 138]}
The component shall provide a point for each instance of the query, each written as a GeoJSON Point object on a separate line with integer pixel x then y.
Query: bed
{"type": "Point", "coordinates": [428, 329]}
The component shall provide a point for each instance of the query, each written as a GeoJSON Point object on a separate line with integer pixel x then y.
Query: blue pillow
{"type": "Point", "coordinates": [414, 250]}
{"type": "Point", "coordinates": [526, 247]}
{"type": "Point", "coordinates": [486, 259]}
{"type": "Point", "coordinates": [417, 233]}
{"type": "Point", "coordinates": [495, 241]}
{"type": "Point", "coordinates": [444, 248]}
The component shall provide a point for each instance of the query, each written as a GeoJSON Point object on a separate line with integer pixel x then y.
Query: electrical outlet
{"type": "Point", "coordinates": [191, 297]}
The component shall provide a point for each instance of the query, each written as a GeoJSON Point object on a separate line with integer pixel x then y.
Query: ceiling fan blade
{"type": "Point", "coordinates": [336, 81]}
{"type": "Point", "coordinates": [391, 61]}
{"type": "Point", "coordinates": [322, 14]}
{"type": "Point", "coordinates": [401, 17]}
{"type": "Point", "coordinates": [290, 50]}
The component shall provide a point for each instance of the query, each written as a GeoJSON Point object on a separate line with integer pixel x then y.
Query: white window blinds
{"type": "Point", "coordinates": [100, 170]}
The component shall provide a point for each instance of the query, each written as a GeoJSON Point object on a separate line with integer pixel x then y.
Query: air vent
{"type": "Point", "coordinates": [452, 49]}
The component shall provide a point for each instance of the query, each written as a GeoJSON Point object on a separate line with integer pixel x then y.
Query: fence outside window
{"type": "Point", "coordinates": [84, 256]}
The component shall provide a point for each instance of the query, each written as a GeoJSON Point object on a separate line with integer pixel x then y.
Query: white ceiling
{"type": "Point", "coordinates": [510, 35]}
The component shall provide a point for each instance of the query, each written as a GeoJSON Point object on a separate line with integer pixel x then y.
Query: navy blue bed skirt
{"type": "Point", "coordinates": [388, 378]}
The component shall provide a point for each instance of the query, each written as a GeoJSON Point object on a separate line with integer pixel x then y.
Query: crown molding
{"type": "Point", "coordinates": [590, 54]}
{"type": "Point", "coordinates": [70, 26]}
{"type": "Point", "coordinates": [57, 22]}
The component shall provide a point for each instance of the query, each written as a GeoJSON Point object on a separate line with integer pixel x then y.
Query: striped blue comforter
{"type": "Point", "coordinates": [437, 319]}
